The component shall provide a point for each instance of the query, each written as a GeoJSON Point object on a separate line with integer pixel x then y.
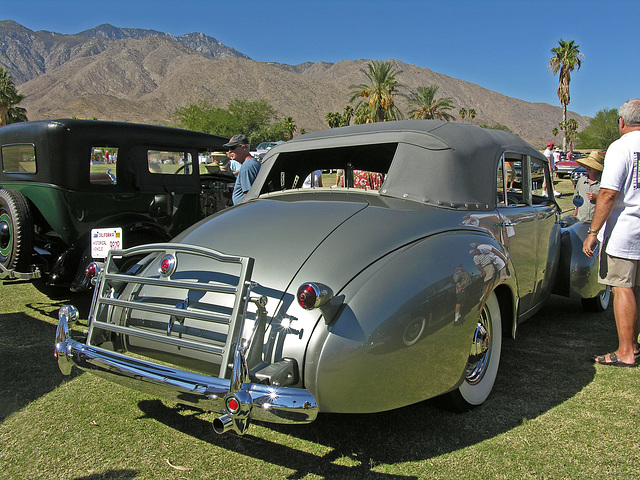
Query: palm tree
{"type": "Point", "coordinates": [290, 127]}
{"type": "Point", "coordinates": [377, 97]}
{"type": "Point", "coordinates": [9, 98]}
{"type": "Point", "coordinates": [332, 119]}
{"type": "Point", "coordinates": [566, 58]}
{"type": "Point", "coordinates": [427, 106]}
{"type": "Point", "coordinates": [463, 113]}
{"type": "Point", "coordinates": [472, 114]}
{"type": "Point", "coordinates": [572, 131]}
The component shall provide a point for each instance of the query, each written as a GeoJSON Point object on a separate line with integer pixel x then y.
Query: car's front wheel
{"type": "Point", "coordinates": [484, 358]}
{"type": "Point", "coordinates": [16, 231]}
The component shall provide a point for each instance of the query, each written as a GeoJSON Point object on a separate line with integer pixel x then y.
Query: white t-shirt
{"type": "Point", "coordinates": [312, 179]}
{"type": "Point", "coordinates": [549, 154]}
{"type": "Point", "coordinates": [622, 174]}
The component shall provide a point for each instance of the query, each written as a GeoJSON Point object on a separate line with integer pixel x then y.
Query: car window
{"type": "Point", "coordinates": [19, 158]}
{"type": "Point", "coordinates": [102, 169]}
{"type": "Point", "coordinates": [361, 166]}
{"type": "Point", "coordinates": [514, 180]}
{"type": "Point", "coordinates": [166, 162]}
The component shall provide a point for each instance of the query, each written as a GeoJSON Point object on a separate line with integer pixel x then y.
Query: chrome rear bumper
{"type": "Point", "coordinates": [236, 401]}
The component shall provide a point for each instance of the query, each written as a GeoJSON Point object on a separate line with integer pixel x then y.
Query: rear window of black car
{"type": "Point", "coordinates": [19, 158]}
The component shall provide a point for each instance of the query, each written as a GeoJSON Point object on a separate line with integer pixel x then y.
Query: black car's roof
{"type": "Point", "coordinates": [63, 147]}
{"type": "Point", "coordinates": [434, 162]}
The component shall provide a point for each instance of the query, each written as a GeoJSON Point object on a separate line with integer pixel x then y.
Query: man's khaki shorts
{"type": "Point", "coordinates": [618, 272]}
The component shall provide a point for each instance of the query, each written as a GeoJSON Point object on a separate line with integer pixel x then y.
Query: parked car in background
{"type": "Point", "coordinates": [306, 300]}
{"type": "Point", "coordinates": [72, 189]}
{"type": "Point", "coordinates": [264, 147]}
{"type": "Point", "coordinates": [566, 165]}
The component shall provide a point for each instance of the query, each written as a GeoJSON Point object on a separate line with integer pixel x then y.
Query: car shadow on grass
{"type": "Point", "coordinates": [29, 369]}
{"type": "Point", "coordinates": [546, 365]}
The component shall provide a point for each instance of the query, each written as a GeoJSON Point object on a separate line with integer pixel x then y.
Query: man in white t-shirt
{"type": "Point", "coordinates": [616, 222]}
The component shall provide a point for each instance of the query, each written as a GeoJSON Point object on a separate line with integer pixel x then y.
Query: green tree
{"type": "Point", "coordinates": [472, 114]}
{"type": "Point", "coordinates": [377, 98]}
{"type": "Point", "coordinates": [204, 117]}
{"type": "Point", "coordinates": [251, 115]}
{"type": "Point", "coordinates": [602, 131]}
{"type": "Point", "coordinates": [10, 112]}
{"type": "Point", "coordinates": [554, 132]}
{"type": "Point", "coordinates": [566, 58]}
{"type": "Point", "coordinates": [332, 119]}
{"type": "Point", "coordinates": [335, 119]}
{"type": "Point", "coordinates": [290, 127]}
{"type": "Point", "coordinates": [463, 113]}
{"type": "Point", "coordinates": [572, 132]}
{"type": "Point", "coordinates": [427, 106]}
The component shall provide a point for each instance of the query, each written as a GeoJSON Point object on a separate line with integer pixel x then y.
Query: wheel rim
{"type": "Point", "coordinates": [6, 243]}
{"type": "Point", "coordinates": [605, 297]}
{"type": "Point", "coordinates": [480, 348]}
{"type": "Point", "coordinates": [413, 331]}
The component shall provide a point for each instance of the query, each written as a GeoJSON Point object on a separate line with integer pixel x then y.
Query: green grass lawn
{"type": "Point", "coordinates": [552, 415]}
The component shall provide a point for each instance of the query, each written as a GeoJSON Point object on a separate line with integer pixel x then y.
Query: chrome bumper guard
{"type": "Point", "coordinates": [236, 399]}
{"type": "Point", "coordinates": [7, 274]}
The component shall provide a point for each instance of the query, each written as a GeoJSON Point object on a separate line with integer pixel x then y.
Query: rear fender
{"type": "Point", "coordinates": [577, 275]}
{"type": "Point", "coordinates": [397, 330]}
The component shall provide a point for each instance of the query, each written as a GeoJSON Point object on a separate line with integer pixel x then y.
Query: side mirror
{"type": "Point", "coordinates": [578, 201]}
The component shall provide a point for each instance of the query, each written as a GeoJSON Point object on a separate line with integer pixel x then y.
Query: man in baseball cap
{"type": "Point", "coordinates": [238, 148]}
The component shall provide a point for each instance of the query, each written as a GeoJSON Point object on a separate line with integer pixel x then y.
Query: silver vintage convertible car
{"type": "Point", "coordinates": [395, 285]}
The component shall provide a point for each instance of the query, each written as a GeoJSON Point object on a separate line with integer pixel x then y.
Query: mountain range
{"type": "Point", "coordinates": [138, 75]}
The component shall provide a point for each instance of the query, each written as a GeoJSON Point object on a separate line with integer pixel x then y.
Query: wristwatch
{"type": "Point", "coordinates": [590, 231]}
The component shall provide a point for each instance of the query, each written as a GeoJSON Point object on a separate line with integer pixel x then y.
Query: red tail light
{"type": "Point", "coordinates": [307, 296]}
{"type": "Point", "coordinates": [313, 295]}
{"type": "Point", "coordinates": [233, 405]}
{"type": "Point", "coordinates": [91, 270]}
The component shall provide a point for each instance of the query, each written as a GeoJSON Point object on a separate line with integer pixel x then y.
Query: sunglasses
{"type": "Point", "coordinates": [231, 149]}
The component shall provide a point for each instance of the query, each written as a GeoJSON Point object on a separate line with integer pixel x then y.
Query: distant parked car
{"type": "Point", "coordinates": [264, 147]}
{"type": "Point", "coordinates": [72, 189]}
{"type": "Point", "coordinates": [565, 167]}
{"type": "Point", "coordinates": [393, 288]}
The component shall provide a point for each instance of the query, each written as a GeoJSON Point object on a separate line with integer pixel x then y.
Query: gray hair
{"type": "Point", "coordinates": [630, 112]}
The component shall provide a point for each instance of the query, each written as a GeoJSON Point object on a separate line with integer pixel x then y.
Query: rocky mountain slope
{"type": "Point", "coordinates": [144, 76]}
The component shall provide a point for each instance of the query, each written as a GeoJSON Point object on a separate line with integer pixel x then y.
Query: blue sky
{"type": "Point", "coordinates": [502, 45]}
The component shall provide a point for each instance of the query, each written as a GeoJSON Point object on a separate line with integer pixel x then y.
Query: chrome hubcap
{"type": "Point", "coordinates": [5, 235]}
{"type": "Point", "coordinates": [480, 348]}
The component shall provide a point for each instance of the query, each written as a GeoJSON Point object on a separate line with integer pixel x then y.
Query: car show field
{"type": "Point", "coordinates": [52, 427]}
{"type": "Point", "coordinates": [80, 426]}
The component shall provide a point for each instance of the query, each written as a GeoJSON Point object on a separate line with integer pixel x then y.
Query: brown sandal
{"type": "Point", "coordinates": [614, 361]}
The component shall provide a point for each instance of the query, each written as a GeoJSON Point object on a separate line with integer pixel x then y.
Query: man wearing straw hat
{"type": "Point", "coordinates": [588, 185]}
{"type": "Point", "coordinates": [616, 222]}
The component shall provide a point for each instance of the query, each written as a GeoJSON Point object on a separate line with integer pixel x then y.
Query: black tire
{"type": "Point", "coordinates": [484, 359]}
{"type": "Point", "coordinates": [16, 231]}
{"type": "Point", "coordinates": [598, 303]}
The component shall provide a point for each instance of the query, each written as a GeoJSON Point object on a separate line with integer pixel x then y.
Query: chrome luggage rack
{"type": "Point", "coordinates": [231, 393]}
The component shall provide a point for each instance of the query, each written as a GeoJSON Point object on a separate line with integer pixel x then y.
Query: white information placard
{"type": "Point", "coordinates": [105, 239]}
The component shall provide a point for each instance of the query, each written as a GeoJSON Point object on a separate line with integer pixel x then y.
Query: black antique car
{"type": "Point", "coordinates": [72, 189]}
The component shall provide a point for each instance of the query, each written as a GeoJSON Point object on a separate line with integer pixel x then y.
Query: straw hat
{"type": "Point", "coordinates": [594, 160]}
